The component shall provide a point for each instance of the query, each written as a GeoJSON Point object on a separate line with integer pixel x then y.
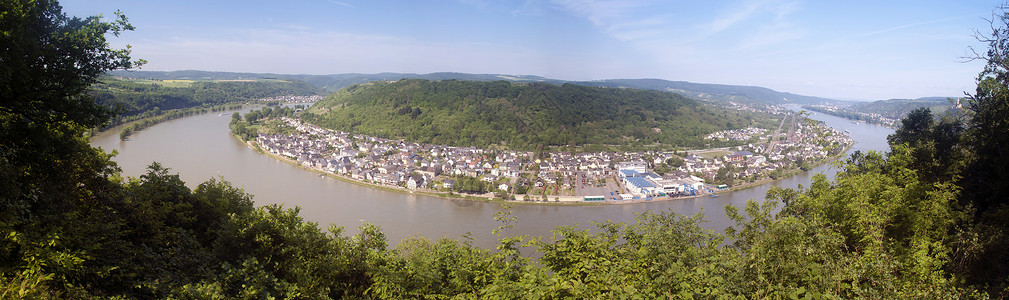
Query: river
{"type": "Point", "coordinates": [200, 147]}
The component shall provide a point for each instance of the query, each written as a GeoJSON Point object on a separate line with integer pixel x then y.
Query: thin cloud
{"type": "Point", "coordinates": [748, 10]}
{"type": "Point", "coordinates": [599, 13]}
{"type": "Point", "coordinates": [300, 52]}
{"type": "Point", "coordinates": [726, 21]}
{"type": "Point", "coordinates": [771, 35]}
{"type": "Point", "coordinates": [341, 3]}
{"type": "Point", "coordinates": [622, 20]}
{"type": "Point", "coordinates": [777, 30]}
{"type": "Point", "coordinates": [905, 26]}
{"type": "Point", "coordinates": [636, 30]}
{"type": "Point", "coordinates": [529, 8]}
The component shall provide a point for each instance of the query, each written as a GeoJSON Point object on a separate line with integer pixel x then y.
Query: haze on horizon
{"type": "Point", "coordinates": [836, 49]}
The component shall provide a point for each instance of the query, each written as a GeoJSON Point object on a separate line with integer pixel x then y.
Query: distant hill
{"type": "Point", "coordinates": [717, 92]}
{"type": "Point", "coordinates": [332, 83]}
{"type": "Point", "coordinates": [137, 96]}
{"type": "Point", "coordinates": [522, 115]}
{"type": "Point", "coordinates": [885, 112]}
{"type": "Point", "coordinates": [898, 108]}
{"type": "Point", "coordinates": [335, 82]}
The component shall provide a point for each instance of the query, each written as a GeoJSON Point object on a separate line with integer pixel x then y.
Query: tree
{"type": "Point", "coordinates": [988, 108]}
{"type": "Point", "coordinates": [54, 184]}
{"type": "Point", "coordinates": [50, 60]}
{"type": "Point", "coordinates": [985, 178]}
{"type": "Point", "coordinates": [675, 162]}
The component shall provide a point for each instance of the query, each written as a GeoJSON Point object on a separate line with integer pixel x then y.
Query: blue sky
{"type": "Point", "coordinates": [838, 49]}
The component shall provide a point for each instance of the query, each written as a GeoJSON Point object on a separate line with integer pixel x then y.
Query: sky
{"type": "Point", "coordinates": [854, 50]}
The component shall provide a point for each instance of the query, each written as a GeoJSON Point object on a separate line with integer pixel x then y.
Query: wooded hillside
{"type": "Point", "coordinates": [134, 98]}
{"type": "Point", "coordinates": [522, 115]}
{"type": "Point", "coordinates": [899, 108]}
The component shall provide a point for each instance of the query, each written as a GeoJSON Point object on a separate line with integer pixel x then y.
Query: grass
{"type": "Point", "coordinates": [165, 83]}
{"type": "Point", "coordinates": [712, 154]}
{"type": "Point", "coordinates": [184, 83]}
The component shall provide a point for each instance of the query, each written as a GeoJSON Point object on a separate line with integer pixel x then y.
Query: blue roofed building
{"type": "Point", "coordinates": [629, 173]}
{"type": "Point", "coordinates": [639, 186]}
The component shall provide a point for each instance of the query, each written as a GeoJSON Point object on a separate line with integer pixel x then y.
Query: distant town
{"type": "Point", "coordinates": [293, 99]}
{"type": "Point", "coordinates": [612, 177]}
{"type": "Point", "coordinates": [844, 112]}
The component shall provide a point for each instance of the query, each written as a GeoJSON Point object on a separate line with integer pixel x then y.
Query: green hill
{"type": "Point", "coordinates": [335, 82]}
{"type": "Point", "coordinates": [522, 115]}
{"type": "Point", "coordinates": [889, 112]}
{"type": "Point", "coordinates": [899, 108]}
{"type": "Point", "coordinates": [715, 92]}
{"type": "Point", "coordinates": [134, 97]}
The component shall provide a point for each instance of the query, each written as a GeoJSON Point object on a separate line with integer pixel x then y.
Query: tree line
{"type": "Point", "coordinates": [155, 117]}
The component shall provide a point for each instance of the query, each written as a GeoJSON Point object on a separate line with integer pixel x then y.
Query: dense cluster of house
{"type": "Point", "coordinates": [811, 141]}
{"type": "Point", "coordinates": [293, 99]}
{"type": "Point", "coordinates": [846, 112]}
{"type": "Point", "coordinates": [737, 134]}
{"type": "Point", "coordinates": [416, 165]}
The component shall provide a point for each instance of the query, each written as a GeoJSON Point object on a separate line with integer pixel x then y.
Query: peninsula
{"type": "Point", "coordinates": [556, 177]}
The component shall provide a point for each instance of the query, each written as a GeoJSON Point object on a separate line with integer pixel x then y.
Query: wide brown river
{"type": "Point", "coordinates": [200, 147]}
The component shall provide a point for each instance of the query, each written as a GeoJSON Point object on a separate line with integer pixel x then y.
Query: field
{"type": "Point", "coordinates": [184, 83]}
{"type": "Point", "coordinates": [710, 154]}
{"type": "Point", "coordinates": [165, 83]}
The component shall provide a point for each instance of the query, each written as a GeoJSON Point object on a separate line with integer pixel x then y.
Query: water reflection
{"type": "Point", "coordinates": [462, 203]}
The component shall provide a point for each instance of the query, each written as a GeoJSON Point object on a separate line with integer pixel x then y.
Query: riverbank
{"type": "Point", "coordinates": [423, 192]}
{"type": "Point", "coordinates": [394, 165]}
{"type": "Point", "coordinates": [786, 175]}
{"type": "Point", "coordinates": [137, 123]}
{"type": "Point", "coordinates": [521, 199]}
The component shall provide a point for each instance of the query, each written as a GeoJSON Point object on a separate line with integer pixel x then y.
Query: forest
{"type": "Point", "coordinates": [750, 95]}
{"type": "Point", "coordinates": [131, 99]}
{"type": "Point", "coordinates": [524, 116]}
{"type": "Point", "coordinates": [247, 129]}
{"type": "Point", "coordinates": [926, 219]}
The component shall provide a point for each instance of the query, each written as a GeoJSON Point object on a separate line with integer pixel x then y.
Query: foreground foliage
{"type": "Point", "coordinates": [910, 223]}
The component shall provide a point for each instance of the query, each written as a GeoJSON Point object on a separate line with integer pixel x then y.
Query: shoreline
{"type": "Point", "coordinates": [422, 192]}
{"type": "Point", "coordinates": [425, 192]}
{"type": "Point", "coordinates": [790, 174]}
{"type": "Point", "coordinates": [154, 119]}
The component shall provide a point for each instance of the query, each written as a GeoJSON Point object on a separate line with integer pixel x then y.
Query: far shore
{"type": "Point", "coordinates": [489, 197]}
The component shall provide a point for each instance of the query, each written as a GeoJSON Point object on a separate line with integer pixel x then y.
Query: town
{"type": "Point", "coordinates": [611, 177]}
{"type": "Point", "coordinates": [848, 113]}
